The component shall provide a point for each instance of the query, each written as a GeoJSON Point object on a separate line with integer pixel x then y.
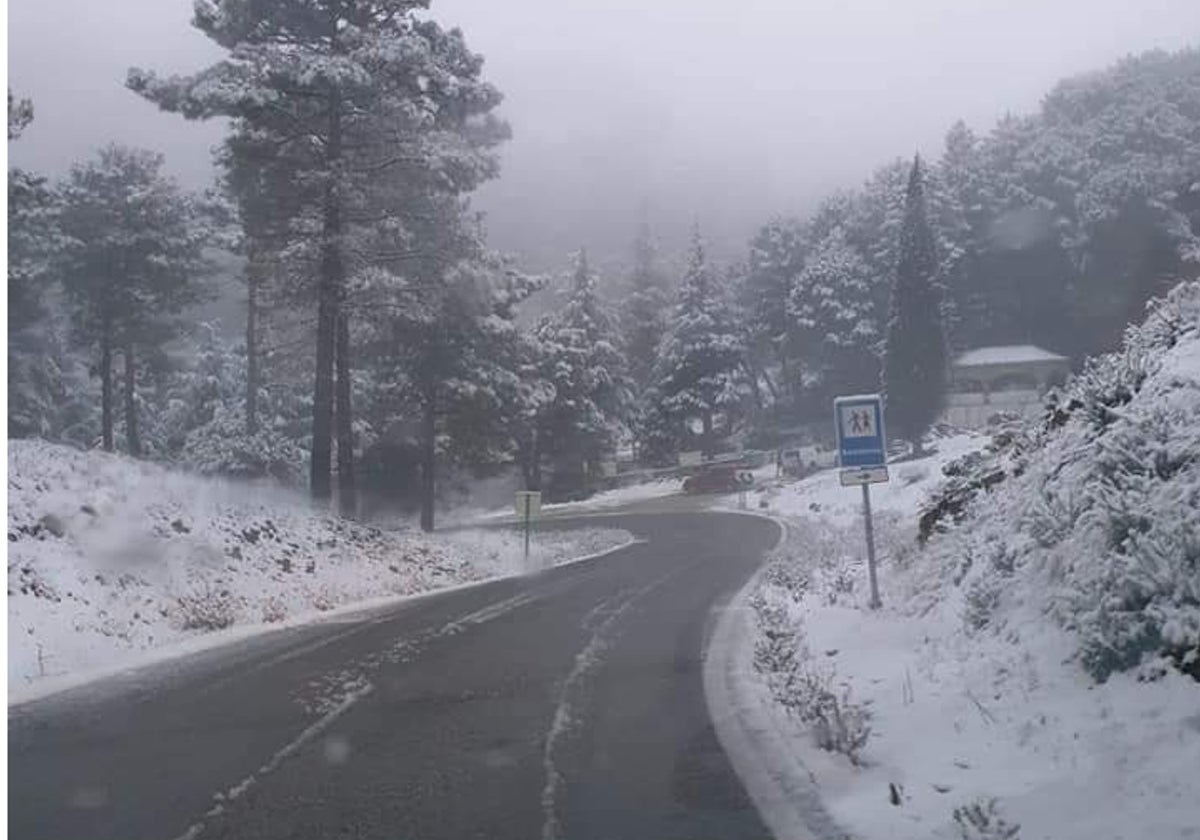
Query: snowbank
{"type": "Point", "coordinates": [109, 558]}
{"type": "Point", "coordinates": [1028, 675]}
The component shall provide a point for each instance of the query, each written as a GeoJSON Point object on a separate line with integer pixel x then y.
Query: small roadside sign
{"type": "Point", "coordinates": [858, 421]}
{"type": "Point", "coordinates": [528, 503]}
{"type": "Point", "coordinates": [691, 459]}
{"type": "Point", "coordinates": [863, 475]}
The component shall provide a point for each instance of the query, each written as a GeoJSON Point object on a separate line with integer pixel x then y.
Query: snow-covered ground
{"type": "Point", "coordinates": [996, 688]}
{"type": "Point", "coordinates": [822, 497]}
{"type": "Point", "coordinates": [604, 500]}
{"type": "Point", "coordinates": [110, 558]}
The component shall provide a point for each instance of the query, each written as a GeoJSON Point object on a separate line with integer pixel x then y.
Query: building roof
{"type": "Point", "coordinates": [1007, 355]}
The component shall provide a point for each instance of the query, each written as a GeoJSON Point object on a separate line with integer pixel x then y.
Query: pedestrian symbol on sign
{"type": "Point", "coordinates": [858, 421]}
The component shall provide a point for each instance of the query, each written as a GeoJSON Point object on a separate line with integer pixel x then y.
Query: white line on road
{"type": "Point", "coordinates": [600, 620]}
{"type": "Point", "coordinates": [290, 749]}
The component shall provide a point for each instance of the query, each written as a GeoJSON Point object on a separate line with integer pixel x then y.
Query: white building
{"type": "Point", "coordinates": [1010, 379]}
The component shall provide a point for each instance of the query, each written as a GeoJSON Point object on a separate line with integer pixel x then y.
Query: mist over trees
{"type": "Point", "coordinates": [388, 350]}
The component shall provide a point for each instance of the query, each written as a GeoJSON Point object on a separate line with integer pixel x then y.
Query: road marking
{"type": "Point", "coordinates": [600, 620]}
{"type": "Point", "coordinates": [290, 749]}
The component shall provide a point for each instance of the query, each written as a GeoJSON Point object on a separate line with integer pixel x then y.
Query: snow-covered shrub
{"type": "Point", "coordinates": [784, 571]}
{"type": "Point", "coordinates": [839, 725]}
{"type": "Point", "coordinates": [1101, 524]}
{"type": "Point", "coordinates": [981, 820]}
{"type": "Point", "coordinates": [801, 686]}
{"type": "Point", "coordinates": [222, 448]}
{"type": "Point", "coordinates": [206, 608]}
{"type": "Point", "coordinates": [274, 610]}
{"type": "Point", "coordinates": [775, 649]}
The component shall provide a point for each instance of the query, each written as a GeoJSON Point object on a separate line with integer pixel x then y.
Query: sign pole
{"type": "Point", "coordinates": [875, 603]}
{"type": "Point", "coordinates": [528, 500]}
{"type": "Point", "coordinates": [862, 454]}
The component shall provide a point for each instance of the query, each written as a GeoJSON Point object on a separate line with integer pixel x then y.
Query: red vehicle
{"type": "Point", "coordinates": [719, 478]}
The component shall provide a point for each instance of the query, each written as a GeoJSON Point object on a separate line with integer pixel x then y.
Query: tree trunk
{"type": "Point", "coordinates": [428, 457]}
{"type": "Point", "coordinates": [785, 379]}
{"type": "Point", "coordinates": [106, 390]}
{"type": "Point", "coordinates": [133, 440]}
{"type": "Point", "coordinates": [253, 282]}
{"type": "Point", "coordinates": [752, 373]}
{"type": "Point", "coordinates": [706, 445]}
{"type": "Point", "coordinates": [320, 475]}
{"type": "Point", "coordinates": [344, 421]}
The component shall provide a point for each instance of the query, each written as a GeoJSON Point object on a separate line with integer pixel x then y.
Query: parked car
{"type": "Point", "coordinates": [719, 478]}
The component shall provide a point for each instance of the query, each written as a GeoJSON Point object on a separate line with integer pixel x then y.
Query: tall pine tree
{"type": "Point", "coordinates": [341, 98]}
{"type": "Point", "coordinates": [643, 312]}
{"type": "Point", "coordinates": [915, 364]}
{"type": "Point", "coordinates": [582, 360]}
{"type": "Point", "coordinates": [834, 324]}
{"type": "Point", "coordinates": [699, 374]}
{"type": "Point", "coordinates": [132, 262]}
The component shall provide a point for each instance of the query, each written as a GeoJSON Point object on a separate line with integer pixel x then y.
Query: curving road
{"type": "Point", "coordinates": [568, 704]}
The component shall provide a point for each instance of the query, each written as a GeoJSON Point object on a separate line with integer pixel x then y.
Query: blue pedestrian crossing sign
{"type": "Point", "coordinates": [860, 438]}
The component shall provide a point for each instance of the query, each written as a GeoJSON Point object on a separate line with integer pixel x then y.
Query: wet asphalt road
{"type": "Point", "coordinates": [567, 704]}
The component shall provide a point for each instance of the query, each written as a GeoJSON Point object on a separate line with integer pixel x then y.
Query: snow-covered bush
{"type": "Point", "coordinates": [1098, 509]}
{"type": "Point", "coordinates": [221, 447]}
{"type": "Point", "coordinates": [206, 608]}
{"type": "Point", "coordinates": [981, 820]}
{"type": "Point", "coordinates": [797, 683]}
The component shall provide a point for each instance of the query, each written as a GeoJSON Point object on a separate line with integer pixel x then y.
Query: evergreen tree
{"type": "Point", "coordinates": [132, 262]}
{"type": "Point", "coordinates": [698, 376]}
{"type": "Point", "coordinates": [443, 381]}
{"type": "Point", "coordinates": [835, 326]}
{"type": "Point", "coordinates": [643, 311]}
{"type": "Point", "coordinates": [582, 361]}
{"type": "Point", "coordinates": [342, 99]}
{"type": "Point", "coordinates": [915, 364]}
{"type": "Point", "coordinates": [36, 351]}
{"type": "Point", "coordinates": [777, 255]}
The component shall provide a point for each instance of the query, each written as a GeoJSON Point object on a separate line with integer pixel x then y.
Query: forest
{"type": "Point", "coordinates": [388, 349]}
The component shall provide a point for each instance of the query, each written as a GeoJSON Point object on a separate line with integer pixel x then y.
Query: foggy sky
{"type": "Point", "coordinates": [679, 110]}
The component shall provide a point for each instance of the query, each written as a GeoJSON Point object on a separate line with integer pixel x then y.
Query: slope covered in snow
{"type": "Point", "coordinates": [1033, 672]}
{"type": "Point", "coordinates": [109, 558]}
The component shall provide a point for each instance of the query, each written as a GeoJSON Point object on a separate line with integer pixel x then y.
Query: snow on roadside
{"type": "Point", "coordinates": [604, 500]}
{"type": "Point", "coordinates": [980, 691]}
{"type": "Point", "coordinates": [821, 496]}
{"type": "Point", "coordinates": [109, 558]}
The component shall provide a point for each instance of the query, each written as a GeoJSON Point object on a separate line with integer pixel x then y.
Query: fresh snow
{"type": "Point", "coordinates": [821, 496]}
{"type": "Point", "coordinates": [971, 673]}
{"type": "Point", "coordinates": [113, 562]}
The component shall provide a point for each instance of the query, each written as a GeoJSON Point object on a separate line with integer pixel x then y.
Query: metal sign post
{"type": "Point", "coordinates": [862, 454]}
{"type": "Point", "coordinates": [528, 503]}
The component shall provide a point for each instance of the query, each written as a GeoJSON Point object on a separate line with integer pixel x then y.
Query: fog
{"type": "Point", "coordinates": [673, 110]}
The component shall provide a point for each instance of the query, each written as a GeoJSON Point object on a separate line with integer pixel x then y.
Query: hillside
{"type": "Point", "coordinates": [111, 560]}
{"type": "Point", "coordinates": [1034, 671]}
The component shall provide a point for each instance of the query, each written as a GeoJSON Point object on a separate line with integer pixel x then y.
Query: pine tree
{"type": "Point", "coordinates": [698, 376]}
{"type": "Point", "coordinates": [341, 99]}
{"type": "Point", "coordinates": [777, 255]}
{"type": "Point", "coordinates": [643, 311]}
{"type": "Point", "coordinates": [132, 262]}
{"type": "Point", "coordinates": [583, 362]}
{"type": "Point", "coordinates": [442, 376]}
{"type": "Point", "coordinates": [836, 327]}
{"type": "Point", "coordinates": [35, 350]}
{"type": "Point", "coordinates": [915, 364]}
